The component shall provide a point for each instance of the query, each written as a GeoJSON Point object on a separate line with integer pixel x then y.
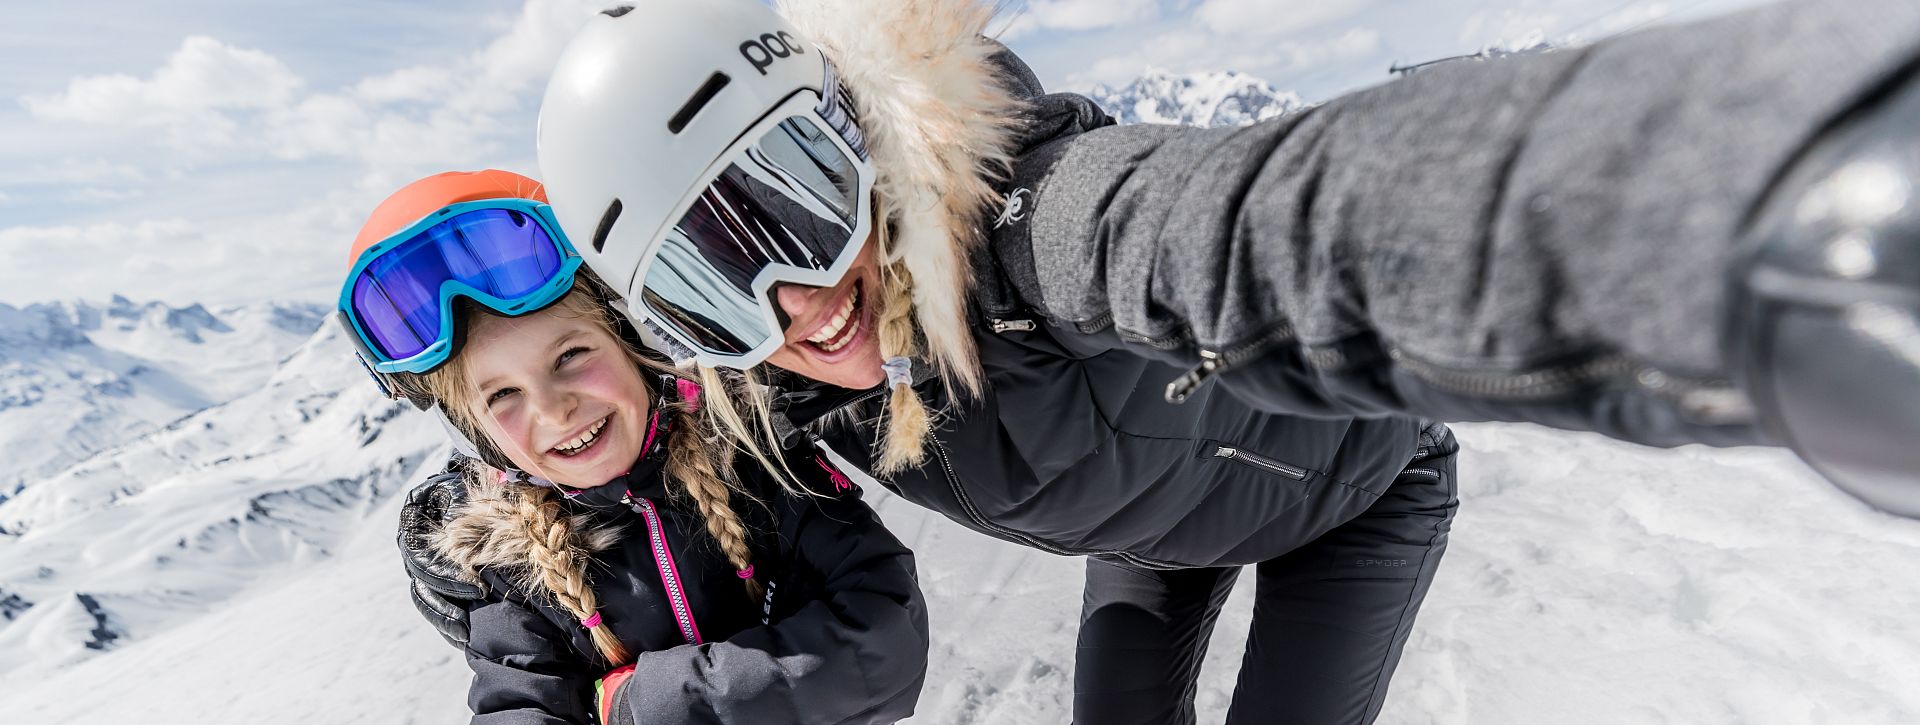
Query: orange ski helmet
{"type": "Point", "coordinates": [435, 192]}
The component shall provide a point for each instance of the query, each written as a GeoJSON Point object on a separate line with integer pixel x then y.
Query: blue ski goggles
{"type": "Point", "coordinates": [506, 254]}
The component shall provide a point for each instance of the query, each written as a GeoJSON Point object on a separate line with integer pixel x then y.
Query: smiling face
{"type": "Point", "coordinates": [557, 393]}
{"type": "Point", "coordinates": [831, 337]}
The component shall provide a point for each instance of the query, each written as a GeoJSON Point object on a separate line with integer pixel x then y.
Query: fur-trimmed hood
{"type": "Point", "coordinates": [940, 124]}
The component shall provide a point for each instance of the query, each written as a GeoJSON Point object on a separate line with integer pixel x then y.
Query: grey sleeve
{"type": "Point", "coordinates": [854, 652]}
{"type": "Point", "coordinates": [1542, 238]}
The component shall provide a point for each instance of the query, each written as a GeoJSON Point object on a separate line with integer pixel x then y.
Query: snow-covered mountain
{"type": "Point", "coordinates": [138, 538]}
{"type": "Point", "coordinates": [1200, 99]}
{"type": "Point", "coordinates": [78, 378]}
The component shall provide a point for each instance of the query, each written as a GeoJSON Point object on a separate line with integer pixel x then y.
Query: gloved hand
{"type": "Point", "coordinates": [436, 588]}
{"type": "Point", "coordinates": [1825, 311]}
{"type": "Point", "coordinates": [609, 698]}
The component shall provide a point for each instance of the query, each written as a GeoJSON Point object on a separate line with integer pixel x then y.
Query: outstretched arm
{"type": "Point", "coordinates": [1566, 238]}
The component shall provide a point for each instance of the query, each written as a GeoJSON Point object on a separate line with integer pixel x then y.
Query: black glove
{"type": "Point", "coordinates": [437, 590]}
{"type": "Point", "coordinates": [1826, 304]}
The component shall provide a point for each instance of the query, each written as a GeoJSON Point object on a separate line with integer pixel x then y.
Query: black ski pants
{"type": "Point", "coordinates": [1329, 621]}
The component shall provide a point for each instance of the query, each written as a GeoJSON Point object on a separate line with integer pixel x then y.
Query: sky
{"type": "Point", "coordinates": [223, 151]}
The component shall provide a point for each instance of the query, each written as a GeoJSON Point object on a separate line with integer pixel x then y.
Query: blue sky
{"type": "Point", "coordinates": [225, 151]}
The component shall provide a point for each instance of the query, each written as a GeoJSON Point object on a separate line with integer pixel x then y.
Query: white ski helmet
{"type": "Point", "coordinates": [672, 139]}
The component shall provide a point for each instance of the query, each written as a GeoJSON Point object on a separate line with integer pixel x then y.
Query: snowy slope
{"type": "Point", "coordinates": [77, 379]}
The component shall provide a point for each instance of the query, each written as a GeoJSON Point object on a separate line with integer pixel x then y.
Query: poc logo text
{"type": "Point", "coordinates": [769, 47]}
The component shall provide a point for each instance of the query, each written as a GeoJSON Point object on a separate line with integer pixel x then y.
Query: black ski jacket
{"type": "Point", "coordinates": [1072, 448]}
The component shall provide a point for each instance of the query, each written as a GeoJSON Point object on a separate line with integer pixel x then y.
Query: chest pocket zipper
{"type": "Point", "coordinates": [1261, 462]}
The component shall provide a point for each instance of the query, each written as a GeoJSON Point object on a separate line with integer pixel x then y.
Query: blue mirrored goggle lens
{"type": "Point", "coordinates": [498, 252]}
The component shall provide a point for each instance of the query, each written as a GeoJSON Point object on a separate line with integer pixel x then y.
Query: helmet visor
{"type": "Point", "coordinates": [499, 257]}
{"type": "Point", "coordinates": [790, 199]}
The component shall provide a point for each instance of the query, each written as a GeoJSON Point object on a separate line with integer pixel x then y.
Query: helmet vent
{"type": "Point", "coordinates": [617, 11]}
{"type": "Point", "coordinates": [606, 226]}
{"type": "Point", "coordinates": [699, 100]}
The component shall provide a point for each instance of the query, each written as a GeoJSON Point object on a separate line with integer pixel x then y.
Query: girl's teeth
{"type": "Point", "coordinates": [576, 444]}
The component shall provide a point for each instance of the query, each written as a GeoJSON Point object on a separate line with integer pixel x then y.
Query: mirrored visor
{"type": "Point", "coordinates": [789, 199]}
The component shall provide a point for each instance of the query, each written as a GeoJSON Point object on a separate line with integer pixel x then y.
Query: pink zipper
{"type": "Point", "coordinates": [669, 572]}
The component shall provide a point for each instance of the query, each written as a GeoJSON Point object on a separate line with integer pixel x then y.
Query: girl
{"type": "Point", "coordinates": [632, 566]}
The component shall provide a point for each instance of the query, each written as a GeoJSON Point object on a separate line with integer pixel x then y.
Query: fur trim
{"type": "Point", "coordinates": [488, 532]}
{"type": "Point", "coordinates": [940, 124]}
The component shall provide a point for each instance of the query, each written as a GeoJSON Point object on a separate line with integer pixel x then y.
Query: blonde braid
{"type": "Point", "coordinates": [561, 567]}
{"type": "Point", "coordinates": [722, 416]}
{"type": "Point", "coordinates": [690, 460]}
{"type": "Point", "coordinates": [903, 439]}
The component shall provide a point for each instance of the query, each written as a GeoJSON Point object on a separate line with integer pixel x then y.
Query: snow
{"type": "Point", "coordinates": [1588, 581]}
{"type": "Point", "coordinates": [199, 514]}
{"type": "Point", "coordinates": [77, 379]}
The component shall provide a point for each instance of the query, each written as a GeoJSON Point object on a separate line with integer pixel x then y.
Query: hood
{"type": "Point", "coordinates": [940, 123]}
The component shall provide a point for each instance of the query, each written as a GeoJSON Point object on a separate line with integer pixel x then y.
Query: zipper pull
{"type": "Point", "coordinates": [1005, 326]}
{"type": "Point", "coordinates": [1211, 363]}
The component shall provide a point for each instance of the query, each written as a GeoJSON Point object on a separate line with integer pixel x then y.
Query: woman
{"type": "Point", "coordinates": [1042, 445]}
{"type": "Point", "coordinates": [630, 566]}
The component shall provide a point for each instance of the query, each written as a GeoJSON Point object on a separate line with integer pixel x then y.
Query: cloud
{"type": "Point", "coordinates": [1563, 23]}
{"type": "Point", "coordinates": [1266, 18]}
{"type": "Point", "coordinates": [1196, 50]}
{"type": "Point", "coordinates": [220, 103]}
{"type": "Point", "coordinates": [43, 261]}
{"type": "Point", "coordinates": [204, 74]}
{"type": "Point", "coordinates": [415, 84]}
{"type": "Point", "coordinates": [191, 95]}
{"type": "Point", "coordinates": [1078, 15]}
{"type": "Point", "coordinates": [84, 171]}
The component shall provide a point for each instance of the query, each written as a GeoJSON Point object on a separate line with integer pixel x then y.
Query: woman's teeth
{"type": "Point", "coordinates": [837, 333]}
{"type": "Point", "coordinates": [586, 439]}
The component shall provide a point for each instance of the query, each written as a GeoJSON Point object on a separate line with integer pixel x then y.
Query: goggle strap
{"type": "Point", "coordinates": [378, 379]}
{"type": "Point", "coordinates": [836, 108]}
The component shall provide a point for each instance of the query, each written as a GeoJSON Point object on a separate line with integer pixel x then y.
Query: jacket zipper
{"type": "Point", "coordinates": [669, 572]}
{"type": "Point", "coordinates": [1710, 402]}
{"type": "Point", "coordinates": [1261, 462]}
{"type": "Point", "coordinates": [974, 515]}
{"type": "Point", "coordinates": [1542, 383]}
{"type": "Point", "coordinates": [1215, 362]}
{"type": "Point", "coordinates": [1005, 326]}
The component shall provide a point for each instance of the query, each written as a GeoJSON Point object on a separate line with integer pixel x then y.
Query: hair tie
{"type": "Point", "coordinates": [899, 371]}
{"type": "Point", "coordinates": [591, 622]}
{"type": "Point", "coordinates": [746, 573]}
{"type": "Point", "coordinates": [689, 392]}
